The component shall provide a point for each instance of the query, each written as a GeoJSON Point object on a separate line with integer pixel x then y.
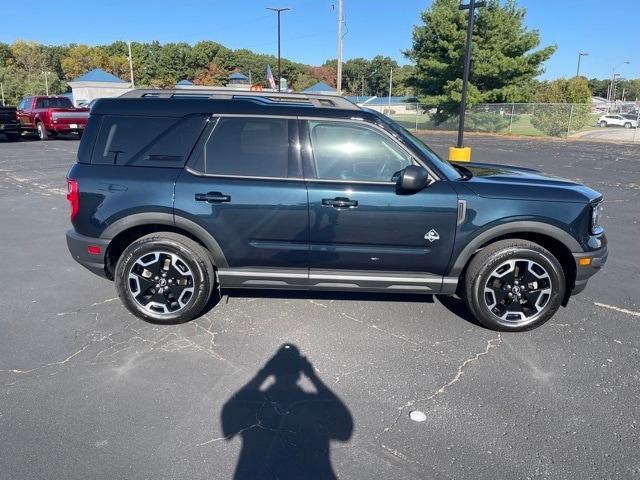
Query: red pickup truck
{"type": "Point", "coordinates": [50, 116]}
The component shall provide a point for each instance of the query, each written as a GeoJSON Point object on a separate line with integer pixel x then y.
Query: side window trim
{"type": "Point", "coordinates": [311, 169]}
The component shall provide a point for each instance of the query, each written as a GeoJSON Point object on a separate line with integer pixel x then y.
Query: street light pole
{"type": "Point", "coordinates": [339, 66]}
{"type": "Point", "coordinates": [278, 11]}
{"type": "Point", "coordinates": [46, 82]}
{"type": "Point", "coordinates": [580, 55]}
{"type": "Point", "coordinates": [471, 6]}
{"type": "Point", "coordinates": [133, 83]}
{"type": "Point", "coordinates": [613, 80]}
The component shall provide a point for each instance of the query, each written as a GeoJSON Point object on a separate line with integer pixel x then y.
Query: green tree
{"type": "Point", "coordinates": [567, 100]}
{"type": "Point", "coordinates": [505, 60]}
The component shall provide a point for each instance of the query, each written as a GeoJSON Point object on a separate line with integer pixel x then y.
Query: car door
{"type": "Point", "coordinates": [244, 186]}
{"type": "Point", "coordinates": [24, 113]}
{"type": "Point", "coordinates": [363, 232]}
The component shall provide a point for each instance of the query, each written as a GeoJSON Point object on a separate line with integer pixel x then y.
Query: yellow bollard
{"type": "Point", "coordinates": [460, 154]}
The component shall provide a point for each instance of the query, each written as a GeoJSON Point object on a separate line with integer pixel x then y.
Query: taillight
{"type": "Point", "coordinates": [73, 196]}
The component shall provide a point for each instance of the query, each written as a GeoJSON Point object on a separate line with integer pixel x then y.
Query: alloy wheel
{"type": "Point", "coordinates": [161, 283]}
{"type": "Point", "coordinates": [518, 291]}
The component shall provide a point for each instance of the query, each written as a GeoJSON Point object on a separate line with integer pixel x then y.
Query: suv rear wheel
{"type": "Point", "coordinates": [514, 285]}
{"type": "Point", "coordinates": [42, 132]}
{"type": "Point", "coordinates": [603, 123]}
{"type": "Point", "coordinates": [164, 278]}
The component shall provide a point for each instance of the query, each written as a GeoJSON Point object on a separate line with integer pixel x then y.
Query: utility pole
{"type": "Point", "coordinates": [339, 69]}
{"type": "Point", "coordinates": [2, 92]}
{"type": "Point", "coordinates": [46, 81]}
{"type": "Point", "coordinates": [580, 55]}
{"type": "Point", "coordinates": [133, 83]}
{"type": "Point", "coordinates": [278, 11]}
{"type": "Point", "coordinates": [390, 87]}
{"type": "Point", "coordinates": [465, 155]}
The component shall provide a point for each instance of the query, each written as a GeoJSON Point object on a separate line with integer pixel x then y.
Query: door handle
{"type": "Point", "coordinates": [339, 202]}
{"type": "Point", "coordinates": [212, 197]}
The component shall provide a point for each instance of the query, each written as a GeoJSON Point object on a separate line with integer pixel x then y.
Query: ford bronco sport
{"type": "Point", "coordinates": [175, 193]}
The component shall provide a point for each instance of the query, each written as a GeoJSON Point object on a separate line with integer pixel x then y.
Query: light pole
{"type": "Point", "coordinates": [278, 11]}
{"type": "Point", "coordinates": [461, 154]}
{"type": "Point", "coordinates": [613, 80]}
{"type": "Point", "coordinates": [46, 81]}
{"type": "Point", "coordinates": [580, 55]}
{"type": "Point", "coordinates": [339, 66]}
{"type": "Point", "coordinates": [133, 83]}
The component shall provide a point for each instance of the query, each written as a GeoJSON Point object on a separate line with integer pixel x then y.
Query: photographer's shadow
{"type": "Point", "coordinates": [286, 431]}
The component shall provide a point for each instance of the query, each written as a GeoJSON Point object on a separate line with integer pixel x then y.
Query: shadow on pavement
{"type": "Point", "coordinates": [286, 430]}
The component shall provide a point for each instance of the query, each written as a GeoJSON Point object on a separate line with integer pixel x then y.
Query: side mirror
{"type": "Point", "coordinates": [412, 179]}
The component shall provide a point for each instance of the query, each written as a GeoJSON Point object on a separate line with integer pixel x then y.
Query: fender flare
{"type": "Point", "coordinates": [159, 218]}
{"type": "Point", "coordinates": [508, 228]}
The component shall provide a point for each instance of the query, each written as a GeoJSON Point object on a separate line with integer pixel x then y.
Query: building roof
{"type": "Point", "coordinates": [99, 75]}
{"type": "Point", "coordinates": [238, 76]}
{"type": "Point", "coordinates": [184, 82]}
{"type": "Point", "coordinates": [320, 87]}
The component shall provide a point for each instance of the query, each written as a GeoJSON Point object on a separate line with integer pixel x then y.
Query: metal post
{"type": "Point", "coordinates": [636, 129]}
{"type": "Point", "coordinates": [580, 55]}
{"type": "Point", "coordinates": [467, 65]}
{"type": "Point", "coordinates": [339, 69]}
{"type": "Point", "coordinates": [513, 107]}
{"type": "Point", "coordinates": [2, 92]}
{"type": "Point", "coordinates": [390, 87]}
{"type": "Point", "coordinates": [46, 82]}
{"type": "Point", "coordinates": [417, 106]}
{"type": "Point", "coordinates": [133, 83]}
{"type": "Point", "coordinates": [278, 11]}
{"type": "Point", "coordinates": [570, 120]}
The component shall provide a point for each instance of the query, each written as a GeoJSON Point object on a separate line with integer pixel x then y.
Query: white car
{"type": "Point", "coordinates": [619, 120]}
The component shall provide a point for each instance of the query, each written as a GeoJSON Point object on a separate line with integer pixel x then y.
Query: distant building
{"type": "Point", "coordinates": [97, 84]}
{"type": "Point", "coordinates": [237, 79]}
{"type": "Point", "coordinates": [384, 104]}
{"type": "Point", "coordinates": [321, 88]}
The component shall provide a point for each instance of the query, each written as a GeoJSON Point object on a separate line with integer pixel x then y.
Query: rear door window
{"type": "Point", "coordinates": [147, 141]}
{"type": "Point", "coordinates": [251, 147]}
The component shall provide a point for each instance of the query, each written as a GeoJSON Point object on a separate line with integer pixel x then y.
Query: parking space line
{"type": "Point", "coordinates": [617, 309]}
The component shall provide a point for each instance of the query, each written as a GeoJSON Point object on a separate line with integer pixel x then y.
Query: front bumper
{"type": "Point", "coordinates": [9, 127]}
{"type": "Point", "coordinates": [78, 245]}
{"type": "Point", "coordinates": [597, 259]}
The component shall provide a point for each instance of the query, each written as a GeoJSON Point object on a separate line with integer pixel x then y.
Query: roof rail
{"type": "Point", "coordinates": [315, 100]}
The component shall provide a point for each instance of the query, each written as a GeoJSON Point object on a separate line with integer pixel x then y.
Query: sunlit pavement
{"type": "Point", "coordinates": [88, 391]}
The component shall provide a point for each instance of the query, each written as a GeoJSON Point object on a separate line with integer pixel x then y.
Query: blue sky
{"type": "Point", "coordinates": [309, 30]}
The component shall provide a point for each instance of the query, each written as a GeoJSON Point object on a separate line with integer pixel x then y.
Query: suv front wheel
{"type": "Point", "coordinates": [165, 278]}
{"type": "Point", "coordinates": [514, 285]}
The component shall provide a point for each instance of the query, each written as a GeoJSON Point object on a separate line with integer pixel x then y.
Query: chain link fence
{"type": "Point", "coordinates": [529, 119]}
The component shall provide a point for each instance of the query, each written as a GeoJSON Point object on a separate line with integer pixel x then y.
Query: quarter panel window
{"type": "Point", "coordinates": [257, 147]}
{"type": "Point", "coordinates": [147, 141]}
{"type": "Point", "coordinates": [349, 151]}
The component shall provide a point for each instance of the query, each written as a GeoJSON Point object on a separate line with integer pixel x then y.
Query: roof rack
{"type": "Point", "coordinates": [314, 100]}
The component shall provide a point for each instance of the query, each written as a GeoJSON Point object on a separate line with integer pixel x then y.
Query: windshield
{"type": "Point", "coordinates": [444, 166]}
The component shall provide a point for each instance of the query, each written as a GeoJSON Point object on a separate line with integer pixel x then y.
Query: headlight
{"type": "Point", "coordinates": [596, 215]}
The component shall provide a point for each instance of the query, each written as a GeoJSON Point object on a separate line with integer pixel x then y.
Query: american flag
{"type": "Point", "coordinates": [272, 82]}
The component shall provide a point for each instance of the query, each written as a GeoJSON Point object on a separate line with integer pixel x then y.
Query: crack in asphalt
{"type": "Point", "coordinates": [492, 344]}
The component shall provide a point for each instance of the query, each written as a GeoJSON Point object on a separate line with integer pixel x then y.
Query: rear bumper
{"type": "Point", "coordinates": [78, 245]}
{"type": "Point", "coordinates": [66, 127]}
{"type": "Point", "coordinates": [584, 272]}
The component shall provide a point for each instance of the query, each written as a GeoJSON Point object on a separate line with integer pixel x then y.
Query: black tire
{"type": "Point", "coordinates": [42, 132]}
{"type": "Point", "coordinates": [13, 136]}
{"type": "Point", "coordinates": [627, 125]}
{"type": "Point", "coordinates": [496, 295]}
{"type": "Point", "coordinates": [188, 255]}
{"type": "Point", "coordinates": [603, 124]}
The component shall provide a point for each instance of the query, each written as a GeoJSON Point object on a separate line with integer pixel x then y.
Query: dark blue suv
{"type": "Point", "coordinates": [178, 192]}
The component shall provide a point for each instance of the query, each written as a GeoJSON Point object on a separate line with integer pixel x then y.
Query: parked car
{"type": "Point", "coordinates": [617, 120]}
{"type": "Point", "coordinates": [311, 192]}
{"type": "Point", "coordinates": [50, 116]}
{"type": "Point", "coordinates": [9, 124]}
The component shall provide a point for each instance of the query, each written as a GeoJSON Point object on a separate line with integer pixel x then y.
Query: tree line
{"type": "Point", "coordinates": [156, 65]}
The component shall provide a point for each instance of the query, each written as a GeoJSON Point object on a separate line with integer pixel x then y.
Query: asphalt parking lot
{"type": "Point", "coordinates": [88, 391]}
